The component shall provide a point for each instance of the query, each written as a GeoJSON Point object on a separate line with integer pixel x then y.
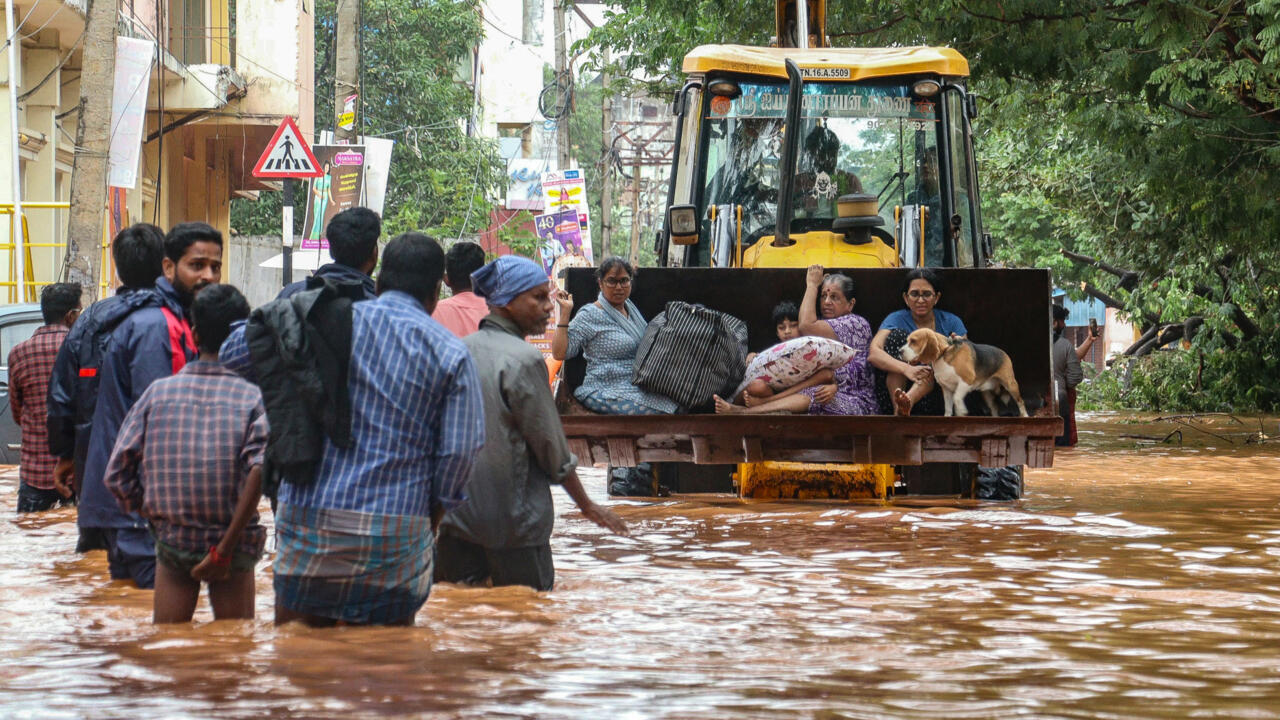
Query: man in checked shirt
{"type": "Point", "coordinates": [30, 367]}
{"type": "Point", "coordinates": [188, 458]}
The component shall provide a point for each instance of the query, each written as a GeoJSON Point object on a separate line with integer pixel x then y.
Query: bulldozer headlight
{"type": "Point", "coordinates": [926, 88]}
{"type": "Point", "coordinates": [724, 88]}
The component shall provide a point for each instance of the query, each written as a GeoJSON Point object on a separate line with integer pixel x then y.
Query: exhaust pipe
{"type": "Point", "coordinates": [790, 146]}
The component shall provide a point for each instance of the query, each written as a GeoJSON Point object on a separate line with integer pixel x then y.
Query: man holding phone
{"type": "Point", "coordinates": [1082, 351]}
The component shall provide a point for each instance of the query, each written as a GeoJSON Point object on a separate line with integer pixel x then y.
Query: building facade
{"type": "Point", "coordinates": [222, 75]}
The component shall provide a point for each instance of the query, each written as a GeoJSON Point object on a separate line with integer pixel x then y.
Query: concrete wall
{"type": "Point", "coordinates": [259, 284]}
{"type": "Point", "coordinates": [511, 69]}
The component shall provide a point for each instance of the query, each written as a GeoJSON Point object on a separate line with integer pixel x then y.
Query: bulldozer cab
{"type": "Point", "coordinates": [889, 127]}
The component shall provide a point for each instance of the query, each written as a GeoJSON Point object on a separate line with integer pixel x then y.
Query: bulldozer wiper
{"type": "Point", "coordinates": [896, 179]}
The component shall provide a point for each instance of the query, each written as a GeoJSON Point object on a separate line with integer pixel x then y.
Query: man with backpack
{"type": "Point", "coordinates": [138, 252]}
{"type": "Point", "coordinates": [153, 342]}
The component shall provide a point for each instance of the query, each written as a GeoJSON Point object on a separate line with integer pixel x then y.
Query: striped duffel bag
{"type": "Point", "coordinates": [690, 352]}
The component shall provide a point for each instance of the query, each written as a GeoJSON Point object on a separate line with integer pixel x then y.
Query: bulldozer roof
{"type": "Point", "coordinates": [839, 64]}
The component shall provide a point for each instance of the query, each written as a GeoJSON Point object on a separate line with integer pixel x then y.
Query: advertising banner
{"type": "Point", "coordinates": [524, 184]}
{"type": "Point", "coordinates": [128, 109]}
{"type": "Point", "coordinates": [562, 242]}
{"type": "Point", "coordinates": [563, 189]}
{"type": "Point", "coordinates": [337, 189]}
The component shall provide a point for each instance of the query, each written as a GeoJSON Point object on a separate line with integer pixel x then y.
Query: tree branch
{"type": "Point", "coordinates": [1128, 278]}
{"type": "Point", "coordinates": [883, 26]}
{"type": "Point", "coordinates": [1034, 17]}
{"type": "Point", "coordinates": [1147, 337]}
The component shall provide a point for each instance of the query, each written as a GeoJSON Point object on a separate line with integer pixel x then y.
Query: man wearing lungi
{"type": "Point", "coordinates": [355, 544]}
{"type": "Point", "coordinates": [501, 533]}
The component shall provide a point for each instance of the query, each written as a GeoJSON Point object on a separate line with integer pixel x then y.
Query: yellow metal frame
{"type": "Point", "coordinates": [819, 247]}
{"type": "Point", "coordinates": [813, 481]}
{"type": "Point", "coordinates": [861, 63]}
{"type": "Point", "coordinates": [30, 288]}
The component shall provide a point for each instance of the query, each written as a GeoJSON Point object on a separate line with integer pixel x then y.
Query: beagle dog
{"type": "Point", "coordinates": [960, 366]}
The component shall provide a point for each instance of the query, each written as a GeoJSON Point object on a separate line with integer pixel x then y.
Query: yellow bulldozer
{"type": "Point", "coordinates": [858, 159]}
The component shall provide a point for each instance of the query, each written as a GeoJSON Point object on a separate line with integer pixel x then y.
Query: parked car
{"type": "Point", "coordinates": [17, 323]}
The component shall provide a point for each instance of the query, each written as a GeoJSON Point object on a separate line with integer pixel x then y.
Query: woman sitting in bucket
{"type": "Point", "coordinates": [607, 333]}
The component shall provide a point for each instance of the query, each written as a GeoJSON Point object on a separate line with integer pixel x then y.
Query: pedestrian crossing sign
{"type": "Point", "coordinates": [287, 155]}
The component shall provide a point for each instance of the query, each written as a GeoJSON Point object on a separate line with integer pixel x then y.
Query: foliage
{"type": "Point", "coordinates": [1193, 380]}
{"type": "Point", "coordinates": [442, 181]}
{"type": "Point", "coordinates": [1145, 134]}
{"type": "Point", "coordinates": [516, 235]}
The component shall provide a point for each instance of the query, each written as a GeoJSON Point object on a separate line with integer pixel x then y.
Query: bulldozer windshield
{"type": "Point", "coordinates": [878, 139]}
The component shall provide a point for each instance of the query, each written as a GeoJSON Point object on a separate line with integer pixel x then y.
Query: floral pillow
{"type": "Point", "coordinates": [788, 363]}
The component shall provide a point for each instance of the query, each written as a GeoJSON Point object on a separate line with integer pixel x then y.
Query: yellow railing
{"type": "Point", "coordinates": [30, 289]}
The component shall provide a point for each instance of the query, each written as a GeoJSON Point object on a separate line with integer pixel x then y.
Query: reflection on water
{"type": "Point", "coordinates": [1132, 580]}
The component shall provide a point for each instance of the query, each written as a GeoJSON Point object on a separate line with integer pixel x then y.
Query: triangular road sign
{"type": "Point", "coordinates": [287, 155]}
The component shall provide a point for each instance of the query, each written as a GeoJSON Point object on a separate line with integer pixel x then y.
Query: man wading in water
{"type": "Point", "coordinates": [502, 533]}
{"type": "Point", "coordinates": [395, 438]}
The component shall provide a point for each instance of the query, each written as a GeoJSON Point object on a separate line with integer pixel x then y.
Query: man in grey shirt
{"type": "Point", "coordinates": [501, 533]}
{"type": "Point", "coordinates": [1066, 373]}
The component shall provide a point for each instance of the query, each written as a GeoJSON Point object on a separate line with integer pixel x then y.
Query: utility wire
{"type": "Point", "coordinates": [18, 28]}
{"type": "Point", "coordinates": [55, 69]}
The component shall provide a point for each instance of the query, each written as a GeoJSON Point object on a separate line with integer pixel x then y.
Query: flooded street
{"type": "Point", "coordinates": [1132, 580]}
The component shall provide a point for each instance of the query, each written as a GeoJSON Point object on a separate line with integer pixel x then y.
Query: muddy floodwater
{"type": "Point", "coordinates": [1135, 579]}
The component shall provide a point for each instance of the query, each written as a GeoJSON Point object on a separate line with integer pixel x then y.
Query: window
{"type": "Point", "coordinates": [187, 31]}
{"type": "Point", "coordinates": [14, 333]}
{"type": "Point", "coordinates": [516, 140]}
{"type": "Point", "coordinates": [960, 176]}
{"type": "Point", "coordinates": [876, 139]}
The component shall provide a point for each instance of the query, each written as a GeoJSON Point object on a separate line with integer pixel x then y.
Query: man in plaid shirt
{"type": "Point", "coordinates": [30, 367]}
{"type": "Point", "coordinates": [188, 458]}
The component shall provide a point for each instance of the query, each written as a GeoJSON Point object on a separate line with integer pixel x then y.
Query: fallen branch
{"type": "Point", "coordinates": [1192, 416]}
{"type": "Point", "coordinates": [1206, 432]}
{"type": "Point", "coordinates": [1156, 439]}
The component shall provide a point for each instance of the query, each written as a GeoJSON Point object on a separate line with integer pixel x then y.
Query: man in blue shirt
{"type": "Point", "coordinates": [151, 343]}
{"type": "Point", "coordinates": [353, 244]}
{"type": "Point", "coordinates": [355, 542]}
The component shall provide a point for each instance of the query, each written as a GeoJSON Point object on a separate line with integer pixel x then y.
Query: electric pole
{"type": "Point", "coordinates": [87, 216]}
{"type": "Point", "coordinates": [606, 171]}
{"type": "Point", "coordinates": [564, 83]}
{"type": "Point", "coordinates": [636, 183]}
{"type": "Point", "coordinates": [346, 71]}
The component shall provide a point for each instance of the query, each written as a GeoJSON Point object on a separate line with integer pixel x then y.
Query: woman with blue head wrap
{"type": "Point", "coordinates": [607, 333]}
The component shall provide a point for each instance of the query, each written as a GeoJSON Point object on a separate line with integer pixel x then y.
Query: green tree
{"type": "Point", "coordinates": [1143, 134]}
{"type": "Point", "coordinates": [442, 181]}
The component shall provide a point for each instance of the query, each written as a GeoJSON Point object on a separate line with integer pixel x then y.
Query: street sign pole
{"type": "Point", "coordinates": [287, 157]}
{"type": "Point", "coordinates": [287, 232]}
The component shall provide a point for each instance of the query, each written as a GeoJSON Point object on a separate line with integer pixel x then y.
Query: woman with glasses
{"type": "Point", "coordinates": [607, 333]}
{"type": "Point", "coordinates": [908, 389]}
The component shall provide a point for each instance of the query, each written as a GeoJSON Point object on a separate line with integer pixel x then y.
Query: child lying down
{"type": "Point", "coordinates": [776, 377]}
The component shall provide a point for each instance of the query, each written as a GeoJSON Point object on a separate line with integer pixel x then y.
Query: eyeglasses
{"type": "Point", "coordinates": [616, 282]}
{"type": "Point", "coordinates": [921, 294]}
